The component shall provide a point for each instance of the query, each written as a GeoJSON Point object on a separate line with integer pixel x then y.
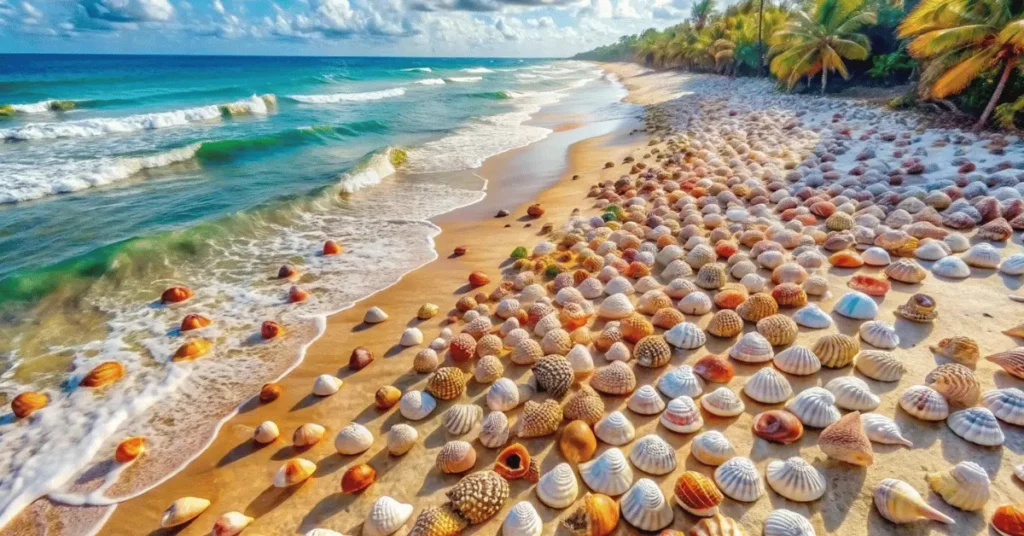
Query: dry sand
{"type": "Point", "coordinates": [235, 474]}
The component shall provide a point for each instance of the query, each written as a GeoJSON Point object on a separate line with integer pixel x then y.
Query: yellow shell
{"type": "Point", "coordinates": [183, 510]}
{"type": "Point", "coordinates": [438, 521]}
{"type": "Point", "coordinates": [538, 420]}
{"type": "Point", "coordinates": [28, 403]}
{"type": "Point", "coordinates": [446, 383]}
{"type": "Point", "coordinates": [725, 323]}
{"type": "Point", "coordinates": [839, 221]}
{"type": "Point", "coordinates": [836, 350]}
{"type": "Point", "coordinates": [757, 307]}
{"type": "Point", "coordinates": [427, 311]}
{"type": "Point", "coordinates": [956, 383]}
{"type": "Point", "coordinates": [192, 349]}
{"type": "Point", "coordinates": [104, 374]}
{"type": "Point", "coordinates": [963, 350]}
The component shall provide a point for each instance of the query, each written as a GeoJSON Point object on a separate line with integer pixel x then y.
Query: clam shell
{"type": "Point", "coordinates": [609, 473]}
{"type": "Point", "coordinates": [882, 429]}
{"type": "Point", "coordinates": [326, 385]}
{"type": "Point", "coordinates": [752, 348]}
{"type": "Point", "coordinates": [522, 520]}
{"type": "Point", "coordinates": [956, 383]}
{"type": "Point", "coordinates": [1013, 265]}
{"type": "Point", "coordinates": [652, 455]}
{"type": "Point", "coordinates": [924, 403]}
{"type": "Point", "coordinates": [558, 488]}
{"type": "Point", "coordinates": [682, 416]}
{"type": "Point", "coordinates": [723, 402]}
{"type": "Point", "coordinates": [879, 335]}
{"type": "Point", "coordinates": [401, 438]}
{"type": "Point", "coordinates": [494, 430]}
{"type": "Point", "coordinates": [965, 485]}
{"type": "Point", "coordinates": [983, 255]}
{"type": "Point", "coordinates": [266, 432]}
{"type": "Point", "coordinates": [183, 510]}
{"type": "Point", "coordinates": [293, 472]}
{"type": "Point", "coordinates": [686, 335]}
{"type": "Point", "coordinates": [644, 506]}
{"type": "Point", "coordinates": [695, 303]}
{"type": "Point", "coordinates": [1006, 404]}
{"type": "Point", "coordinates": [797, 360]}
{"type": "Point", "coordinates": [712, 448]}
{"type": "Point", "coordinates": [977, 425]}
{"type": "Point", "coordinates": [411, 337]}
{"type": "Point", "coordinates": [503, 395]}
{"type": "Point", "coordinates": [876, 256]}
{"type": "Point", "coordinates": [932, 250]}
{"type": "Point", "coordinates": [879, 365]}
{"type": "Point", "coordinates": [811, 316]}
{"type": "Point", "coordinates": [856, 305]}
{"type": "Point", "coordinates": [697, 494]}
{"type": "Point", "coordinates": [615, 307]}
{"type": "Point", "coordinates": [853, 393]}
{"type": "Point", "coordinates": [815, 407]}
{"type": "Point", "coordinates": [615, 429]}
{"type": "Point", "coordinates": [646, 401]}
{"type": "Point", "coordinates": [739, 480]}
{"type": "Point", "coordinates": [386, 517]}
{"type": "Point", "coordinates": [795, 479]}
{"type": "Point", "coordinates": [461, 418]}
{"type": "Point", "coordinates": [353, 439]}
{"type": "Point", "coordinates": [787, 523]}
{"type": "Point", "coordinates": [717, 525]}
{"type": "Point", "coordinates": [952, 268]}
{"type": "Point", "coordinates": [307, 435]}
{"type": "Point", "coordinates": [416, 405]}
{"type": "Point", "coordinates": [899, 502]}
{"type": "Point", "coordinates": [681, 381]}
{"type": "Point", "coordinates": [768, 387]}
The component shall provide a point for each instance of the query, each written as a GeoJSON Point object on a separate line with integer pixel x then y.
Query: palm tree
{"type": "Point", "coordinates": [701, 12]}
{"type": "Point", "coordinates": [963, 39]}
{"type": "Point", "coordinates": [818, 42]}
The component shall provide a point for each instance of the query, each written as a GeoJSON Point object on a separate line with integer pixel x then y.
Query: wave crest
{"type": "Point", "coordinates": [334, 98]}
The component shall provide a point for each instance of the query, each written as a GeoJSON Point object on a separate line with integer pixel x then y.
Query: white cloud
{"type": "Point", "coordinates": [506, 29]}
{"type": "Point", "coordinates": [218, 6]}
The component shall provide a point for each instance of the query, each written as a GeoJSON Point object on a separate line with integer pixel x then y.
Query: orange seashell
{"type": "Point", "coordinates": [725, 249]}
{"type": "Point", "coordinates": [730, 298]}
{"type": "Point", "coordinates": [104, 374]}
{"type": "Point", "coordinates": [332, 248]}
{"type": "Point", "coordinates": [846, 259]}
{"type": "Point", "coordinates": [597, 515]}
{"type": "Point", "coordinates": [789, 295]}
{"type": "Point", "coordinates": [358, 478]}
{"type": "Point", "coordinates": [778, 426]}
{"type": "Point", "coordinates": [638, 269]}
{"type": "Point", "coordinates": [573, 316]}
{"type": "Point", "coordinates": [129, 449]}
{"type": "Point", "coordinates": [714, 369]}
{"type": "Point", "coordinates": [635, 327]}
{"type": "Point", "coordinates": [287, 271]}
{"type": "Point", "coordinates": [386, 397]}
{"type": "Point", "coordinates": [194, 321]}
{"type": "Point", "coordinates": [788, 214]}
{"type": "Point", "coordinates": [1012, 361]}
{"type": "Point", "coordinates": [697, 493]}
{"type": "Point", "coordinates": [872, 286]}
{"type": "Point", "coordinates": [823, 209]}
{"type": "Point", "coordinates": [535, 210]}
{"type": "Point", "coordinates": [270, 330]}
{"type": "Point", "coordinates": [478, 279]}
{"type": "Point", "coordinates": [296, 295]}
{"type": "Point", "coordinates": [513, 463]}
{"type": "Point", "coordinates": [27, 403]}
{"type": "Point", "coordinates": [270, 392]}
{"type": "Point", "coordinates": [1008, 520]}
{"type": "Point", "coordinates": [176, 295]}
{"type": "Point", "coordinates": [193, 349]}
{"type": "Point", "coordinates": [577, 442]}
{"type": "Point", "coordinates": [462, 348]}
{"type": "Point", "coordinates": [666, 240]}
{"type": "Point", "coordinates": [806, 219]}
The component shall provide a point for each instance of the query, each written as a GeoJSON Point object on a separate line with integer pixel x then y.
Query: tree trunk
{"type": "Point", "coordinates": [996, 94]}
{"type": "Point", "coordinates": [760, 40]}
{"type": "Point", "coordinates": [824, 80]}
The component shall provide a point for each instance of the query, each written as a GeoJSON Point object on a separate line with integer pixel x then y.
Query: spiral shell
{"type": "Point", "coordinates": [609, 473]}
{"type": "Point", "coordinates": [644, 506]}
{"type": "Point", "coordinates": [965, 485]}
{"type": "Point", "coordinates": [682, 416]}
{"type": "Point", "coordinates": [739, 479]}
{"type": "Point", "coordinates": [977, 425]}
{"type": "Point", "coordinates": [1006, 404]}
{"type": "Point", "coordinates": [899, 502]}
{"type": "Point", "coordinates": [956, 383]}
{"type": "Point", "coordinates": [815, 407]}
{"type": "Point", "coordinates": [882, 429]}
{"type": "Point", "coordinates": [723, 402]}
{"type": "Point", "coordinates": [652, 455]}
{"type": "Point", "coordinates": [752, 348]}
{"type": "Point", "coordinates": [768, 387]}
{"type": "Point", "coordinates": [787, 523]}
{"type": "Point", "coordinates": [778, 426]}
{"type": "Point", "coordinates": [401, 438]}
{"type": "Point", "coordinates": [615, 429]}
{"type": "Point", "coordinates": [697, 494]}
{"type": "Point", "coordinates": [845, 440]}
{"type": "Point", "coordinates": [836, 350]}
{"type": "Point", "coordinates": [795, 479]}
{"type": "Point", "coordinates": [386, 517]}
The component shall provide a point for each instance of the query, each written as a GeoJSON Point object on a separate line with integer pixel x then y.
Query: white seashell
{"type": "Point", "coordinates": [876, 256]}
{"type": "Point", "coordinates": [753, 283]}
{"type": "Point", "coordinates": [681, 381]}
{"type": "Point", "coordinates": [957, 242]}
{"type": "Point", "coordinates": [852, 393]}
{"type": "Point", "coordinates": [438, 345]}
{"type": "Point", "coordinates": [386, 517]}
{"type": "Point", "coordinates": [532, 293]}
{"type": "Point", "coordinates": [712, 448]}
{"type": "Point", "coordinates": [608, 473]}
{"type": "Point", "coordinates": [375, 315]}
{"type": "Point", "coordinates": [952, 268]}
{"type": "Point", "coordinates": [494, 430]}
{"type": "Point", "coordinates": [924, 403]}
{"type": "Point", "coordinates": [566, 296]}
{"type": "Point", "coordinates": [230, 524]}
{"type": "Point", "coordinates": [416, 405]}
{"type": "Point", "coordinates": [682, 416]}
{"type": "Point", "coordinates": [932, 250]}
{"type": "Point", "coordinates": [977, 425]}
{"type": "Point", "coordinates": [965, 486]}
{"type": "Point", "coordinates": [619, 285]}
{"type": "Point", "coordinates": [547, 324]}
{"type": "Point", "coordinates": [615, 429]}
{"type": "Point", "coordinates": [752, 348]}
{"type": "Point", "coordinates": [558, 488]}
{"type": "Point", "coordinates": [668, 254]}
{"type": "Point", "coordinates": [461, 418]}
{"type": "Point", "coordinates": [982, 255]}
{"type": "Point", "coordinates": [446, 334]}
{"type": "Point", "coordinates": [879, 334]}
{"type": "Point", "coordinates": [646, 401]}
{"type": "Point", "coordinates": [723, 403]}
{"type": "Point", "coordinates": [1006, 404]}
{"type": "Point", "coordinates": [591, 288]}
{"type": "Point", "coordinates": [183, 510]}
{"type": "Point", "coordinates": [1013, 265]}
{"type": "Point", "coordinates": [503, 395]}
{"type": "Point", "coordinates": [787, 523]}
{"type": "Point", "coordinates": [899, 502]}
{"type": "Point", "coordinates": [353, 439]}
{"type": "Point", "coordinates": [581, 361]}
{"type": "Point", "coordinates": [856, 305]}
{"type": "Point", "coordinates": [686, 335]}
{"type": "Point", "coordinates": [815, 407]}
{"type": "Point", "coordinates": [695, 303]}
{"type": "Point", "coordinates": [879, 365]}
{"type": "Point", "coordinates": [739, 480]}
{"type": "Point", "coordinates": [676, 269]}
{"type": "Point", "coordinates": [615, 307]}
{"type": "Point", "coordinates": [677, 289]}
{"type": "Point", "coordinates": [812, 317]}
{"type": "Point", "coordinates": [645, 507]}
{"type": "Point", "coordinates": [411, 337]}
{"type": "Point", "coordinates": [323, 532]}
{"type": "Point", "coordinates": [882, 429]}
{"type": "Point", "coordinates": [618, 352]}
{"type": "Point", "coordinates": [266, 432]}
{"type": "Point", "coordinates": [797, 360]}
{"type": "Point", "coordinates": [795, 479]}
{"type": "Point", "coordinates": [326, 385]}
{"type": "Point", "coordinates": [768, 387]}
{"type": "Point", "coordinates": [401, 439]}
{"type": "Point", "coordinates": [522, 520]}
{"type": "Point", "coordinates": [652, 455]}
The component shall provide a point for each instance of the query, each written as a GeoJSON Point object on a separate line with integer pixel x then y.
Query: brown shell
{"type": "Point", "coordinates": [607, 338]}
{"type": "Point", "coordinates": [615, 378]}
{"type": "Point", "coordinates": [455, 457]}
{"type": "Point", "coordinates": [129, 449]}
{"type": "Point", "coordinates": [906, 271]}
{"type": "Point", "coordinates": [778, 426]}
{"type": "Point", "coordinates": [104, 374]}
{"type": "Point", "coordinates": [789, 295]}
{"type": "Point", "coordinates": [666, 318]}
{"type": "Point", "coordinates": [725, 323]}
{"type": "Point", "coordinates": [919, 308]}
{"type": "Point", "coordinates": [597, 515]}
{"type": "Point", "coordinates": [176, 295]}
{"type": "Point", "coordinates": [538, 420]}
{"type": "Point", "coordinates": [757, 307]}
{"type": "Point", "coordinates": [778, 330]}
{"type": "Point", "coordinates": [195, 321]}
{"type": "Point", "coordinates": [446, 383]}
{"type": "Point", "coordinates": [27, 403]}
{"type": "Point", "coordinates": [836, 350]}
{"type": "Point", "coordinates": [1012, 361]}
{"type": "Point", "coordinates": [513, 463]}
{"type": "Point", "coordinates": [714, 369]}
{"type": "Point", "coordinates": [357, 478]}
{"type": "Point", "coordinates": [697, 491]}
{"type": "Point", "coordinates": [465, 303]}
{"type": "Point", "coordinates": [462, 347]}
{"type": "Point", "coordinates": [438, 521]}
{"type": "Point", "coordinates": [360, 358]}
{"type": "Point", "coordinates": [584, 405]}
{"type": "Point", "coordinates": [997, 230]}
{"type": "Point", "coordinates": [652, 352]}
{"type": "Point", "coordinates": [845, 440]}
{"type": "Point", "coordinates": [478, 279]}
{"type": "Point", "coordinates": [386, 397]}
{"type": "Point", "coordinates": [711, 276]}
{"type": "Point", "coordinates": [577, 442]}
{"type": "Point", "coordinates": [963, 350]}
{"type": "Point", "coordinates": [270, 392]}
{"type": "Point", "coordinates": [479, 496]}
{"type": "Point", "coordinates": [1008, 519]}
{"type": "Point", "coordinates": [719, 525]}
{"type": "Point", "coordinates": [956, 383]}
{"type": "Point", "coordinates": [635, 327]}
{"type": "Point", "coordinates": [554, 374]}
{"type": "Point", "coordinates": [193, 349]}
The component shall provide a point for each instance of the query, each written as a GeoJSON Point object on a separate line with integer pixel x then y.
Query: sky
{"type": "Point", "coordinates": [491, 28]}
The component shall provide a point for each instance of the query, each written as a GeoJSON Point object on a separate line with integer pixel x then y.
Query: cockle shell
{"type": "Point", "coordinates": [956, 383]}
{"type": "Point", "coordinates": [795, 479]}
{"type": "Point", "coordinates": [307, 435]}
{"type": "Point", "coordinates": [965, 485]}
{"type": "Point", "coordinates": [1006, 404]}
{"type": "Point", "coordinates": [686, 335]}
{"type": "Point", "coordinates": [326, 385]}
{"type": "Point", "coordinates": [494, 430]}
{"type": "Point", "coordinates": [652, 455]}
{"type": "Point", "coordinates": [1013, 265]}
{"type": "Point", "coordinates": [615, 429]}
{"type": "Point", "coordinates": [1012, 361]}
{"type": "Point", "coordinates": [963, 350]}
{"type": "Point", "coordinates": [526, 352]}
{"type": "Point", "coordinates": [924, 403]}
{"type": "Point", "coordinates": [353, 439]}
{"type": "Point", "coordinates": [401, 438]}
{"type": "Point", "coordinates": [815, 407]}
{"type": "Point", "coordinates": [787, 523]}
{"type": "Point", "coordinates": [797, 360]}
{"type": "Point", "coordinates": [778, 330]}
{"type": "Point", "coordinates": [726, 324]}
{"type": "Point", "coordinates": [739, 479]}
{"type": "Point", "coordinates": [183, 510]}
{"type": "Point", "coordinates": [778, 426]}
{"type": "Point", "coordinates": [681, 381]}
{"type": "Point", "coordinates": [752, 348]}
{"type": "Point", "coordinates": [813, 317]}
{"type": "Point", "coordinates": [716, 525]}
{"type": "Point", "coordinates": [882, 429]}
{"type": "Point", "coordinates": [522, 520]}
{"type": "Point", "coordinates": [416, 405]}
{"type": "Point", "coordinates": [609, 473]}
{"type": "Point", "coordinates": [615, 307]}
{"type": "Point", "coordinates": [906, 271]}
{"type": "Point", "coordinates": [682, 416]}
{"type": "Point", "coordinates": [722, 402]}
{"type": "Point", "coordinates": [644, 506]}
{"type": "Point", "coordinates": [853, 393]}
{"type": "Point", "coordinates": [646, 401]}
{"type": "Point", "coordinates": [952, 268]}
{"type": "Point", "coordinates": [478, 497]}
{"type": "Point", "coordinates": [899, 502]}
{"type": "Point", "coordinates": [538, 420]}
{"type": "Point", "coordinates": [386, 517]}
{"type": "Point", "coordinates": [768, 387]}
{"type": "Point", "coordinates": [816, 285]}
{"type": "Point", "coordinates": [488, 369]}
{"type": "Point", "coordinates": [759, 305]}
{"type": "Point", "coordinates": [616, 378]}
{"type": "Point", "coordinates": [558, 488]}
{"type": "Point", "coordinates": [836, 350]}
{"type": "Point", "coordinates": [711, 276]}
{"type": "Point", "coordinates": [697, 494]}
{"type": "Point", "coordinates": [712, 448]}
{"type": "Point", "coordinates": [879, 335]}
{"type": "Point", "coordinates": [446, 383]}
{"type": "Point", "coordinates": [230, 524]}
{"type": "Point", "coordinates": [977, 425]}
{"type": "Point", "coordinates": [856, 305]}
{"type": "Point", "coordinates": [461, 418]}
{"type": "Point", "coordinates": [293, 472]}
{"type": "Point", "coordinates": [695, 303]}
{"type": "Point", "coordinates": [982, 255]}
{"type": "Point", "coordinates": [652, 352]}
{"type": "Point", "coordinates": [845, 440]}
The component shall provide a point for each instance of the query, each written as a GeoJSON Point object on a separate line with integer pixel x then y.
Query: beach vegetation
{"type": "Point", "coordinates": [519, 253]}
{"type": "Point", "coordinates": [398, 157]}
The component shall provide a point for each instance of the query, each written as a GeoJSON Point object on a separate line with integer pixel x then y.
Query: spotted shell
{"type": "Point", "coordinates": [554, 374]}
{"type": "Point", "coordinates": [924, 403]}
{"type": "Point", "coordinates": [584, 404]}
{"type": "Point", "coordinates": [479, 496]}
{"type": "Point", "coordinates": [538, 420]}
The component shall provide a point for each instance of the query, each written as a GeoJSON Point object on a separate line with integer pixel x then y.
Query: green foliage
{"type": "Point", "coordinates": [554, 269]}
{"type": "Point", "coordinates": [887, 66]}
{"type": "Point", "coordinates": [519, 253]}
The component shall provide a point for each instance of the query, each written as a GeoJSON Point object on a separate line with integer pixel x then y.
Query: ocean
{"type": "Point", "coordinates": [123, 175]}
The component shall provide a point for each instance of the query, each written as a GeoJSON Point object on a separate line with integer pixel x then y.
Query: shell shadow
{"type": "Point", "coordinates": [270, 499]}
{"type": "Point", "coordinates": [845, 483]}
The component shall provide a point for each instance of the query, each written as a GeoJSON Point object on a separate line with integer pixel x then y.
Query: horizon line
{"type": "Point", "coordinates": [160, 54]}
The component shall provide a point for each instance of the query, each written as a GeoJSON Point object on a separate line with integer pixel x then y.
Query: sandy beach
{"type": "Point", "coordinates": [711, 114]}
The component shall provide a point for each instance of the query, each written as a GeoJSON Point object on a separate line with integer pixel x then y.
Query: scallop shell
{"type": "Point", "coordinates": [853, 393]}
{"type": "Point", "coordinates": [1012, 361]}
{"type": "Point", "coordinates": [778, 330]}
{"type": "Point", "coordinates": [787, 523]}
{"type": "Point", "coordinates": [522, 520]}
{"type": "Point", "coordinates": [717, 525]}
{"type": "Point", "coordinates": [616, 378]}
{"type": "Point", "coordinates": [386, 517]}
{"type": "Point", "coordinates": [353, 439]}
{"type": "Point", "coordinates": [952, 268]}
{"type": "Point", "coordinates": [965, 485]}
{"type": "Point", "coordinates": [1006, 404]}
{"type": "Point", "coordinates": [682, 416]}
{"type": "Point", "coordinates": [836, 350]}
{"type": "Point", "coordinates": [906, 271]}
{"type": "Point", "coordinates": [879, 335]}
{"type": "Point", "coordinates": [815, 407]}
{"type": "Point", "coordinates": [723, 402]}
{"type": "Point", "coordinates": [461, 418]}
{"type": "Point", "coordinates": [882, 429]}
{"type": "Point", "coordinates": [695, 303]}
{"type": "Point", "coordinates": [977, 425]}
{"type": "Point", "coordinates": [899, 502]}
{"type": "Point", "coordinates": [797, 360]}
{"type": "Point", "coordinates": [558, 488]}
{"type": "Point", "coordinates": [681, 381]}
{"type": "Point", "coordinates": [644, 506]}
{"type": "Point", "coordinates": [646, 401]}
{"type": "Point", "coordinates": [686, 335]}
{"type": "Point", "coordinates": [768, 387]}
{"type": "Point", "coordinates": [795, 479]}
{"type": "Point", "coordinates": [494, 430]}
{"type": "Point", "coordinates": [856, 305]}
{"type": "Point", "coordinates": [845, 440]}
{"type": "Point", "coordinates": [712, 448]}
{"type": "Point", "coordinates": [615, 429]}
{"type": "Point", "coordinates": [183, 510]}
{"type": "Point", "coordinates": [652, 455]}
{"type": "Point", "coordinates": [924, 403]}
{"type": "Point", "coordinates": [739, 479]}
{"type": "Point", "coordinates": [697, 494]}
{"type": "Point", "coordinates": [752, 348]}
{"type": "Point", "coordinates": [615, 307]}
{"type": "Point", "coordinates": [401, 438]}
{"type": "Point", "coordinates": [812, 317]}
{"type": "Point", "coordinates": [608, 473]}
{"type": "Point", "coordinates": [1008, 520]}
{"type": "Point", "coordinates": [956, 383]}
{"type": "Point", "coordinates": [416, 405]}
{"type": "Point", "coordinates": [881, 366]}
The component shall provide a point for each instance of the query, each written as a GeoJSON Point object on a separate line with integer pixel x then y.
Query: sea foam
{"type": "Point", "coordinates": [334, 98]}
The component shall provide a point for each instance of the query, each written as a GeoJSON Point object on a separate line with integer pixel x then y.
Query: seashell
{"type": "Point", "coordinates": [836, 350]}
{"type": "Point", "coordinates": [752, 348]}
{"type": "Point", "coordinates": [856, 305]}
{"type": "Point", "coordinates": [105, 373]}
{"type": "Point", "coordinates": [401, 438]}
{"type": "Point", "coordinates": [726, 324]}
{"type": "Point", "coordinates": [615, 307]}
{"type": "Point", "coordinates": [386, 397]}
{"type": "Point", "coordinates": [598, 515]}
{"type": "Point", "coordinates": [795, 479]}
{"type": "Point", "coordinates": [965, 486]}
{"type": "Point", "coordinates": [27, 403]}
{"type": "Point", "coordinates": [723, 403]}
{"type": "Point", "coordinates": [956, 383]}
{"type": "Point", "coordinates": [714, 369]}
{"type": "Point", "coordinates": [554, 374]}
{"type": "Point", "coordinates": [924, 403]}
{"type": "Point", "coordinates": [845, 440]}
{"type": "Point", "coordinates": [293, 472]}
{"type": "Point", "coordinates": [503, 395]}
{"type": "Point", "coordinates": [1011, 361]}
{"type": "Point", "coordinates": [386, 517]}
{"type": "Point", "coordinates": [411, 337]}
{"type": "Point", "coordinates": [513, 462]}
{"type": "Point", "coordinates": [952, 268]}
{"type": "Point", "coordinates": [646, 401]}
{"type": "Point", "coordinates": [608, 473]}
{"type": "Point", "coordinates": [881, 366]}
{"type": "Point", "coordinates": [427, 311]}
{"type": "Point", "coordinates": [876, 256]}
{"type": "Point", "coordinates": [556, 342]}
{"type": "Point", "coordinates": [652, 352]}
{"type": "Point", "coordinates": [1008, 520]}
{"type": "Point", "coordinates": [852, 393]}
{"type": "Point", "coordinates": [789, 295]}
{"type": "Point", "coordinates": [584, 404]}
{"type": "Point", "coordinates": [353, 439]}
{"type": "Point", "coordinates": [644, 506]}
{"type": "Point", "coordinates": [712, 448]}
{"type": "Point", "coordinates": [906, 271]}
{"type": "Point", "coordinates": [183, 510]}
{"type": "Point", "coordinates": [667, 318]}
{"type": "Point", "coordinates": [778, 330]}
{"type": "Point", "coordinates": [961, 349]}
{"type": "Point", "coordinates": [882, 429]}
{"type": "Point", "coordinates": [1013, 265]}
{"type": "Point", "coordinates": [374, 315]}
{"type": "Point", "coordinates": [697, 494]}
{"type": "Point", "coordinates": [758, 306]}
{"type": "Point", "coordinates": [681, 381]}
{"type": "Point", "coordinates": [615, 429]}
{"type": "Point", "coordinates": [797, 360]}
{"type": "Point", "coordinates": [326, 385]}
{"type": "Point", "coordinates": [872, 286]}
{"type": "Point", "coordinates": [577, 442]}
{"type": "Point", "coordinates": [1006, 404]}
{"type": "Point", "coordinates": [778, 426]}
{"type": "Point", "coordinates": [686, 335]}
{"type": "Point", "coordinates": [461, 418]}
{"type": "Point", "coordinates": [717, 525]}
{"type": "Point", "coordinates": [816, 285]}
{"type": "Point", "coordinates": [919, 308]}
{"type": "Point", "coordinates": [232, 523]}
{"type": "Point", "coordinates": [618, 352]}
{"type": "Point", "coordinates": [768, 387]}
{"type": "Point", "coordinates": [812, 317]}
{"type": "Point", "coordinates": [652, 455]}
{"type": "Point", "coordinates": [266, 432]}
{"type": "Point", "coordinates": [815, 407]}
{"type": "Point", "coordinates": [526, 352]}
{"type": "Point", "coordinates": [307, 435]}
{"type": "Point", "coordinates": [436, 521]}
{"type": "Point", "coordinates": [695, 303]}
{"type": "Point", "coordinates": [522, 520]}
{"type": "Point", "coordinates": [879, 335]}
{"type": "Point", "coordinates": [711, 276]}
{"type": "Point", "coordinates": [488, 369]}
{"type": "Point", "coordinates": [932, 250]}
{"type": "Point", "coordinates": [787, 523]}
{"type": "Point", "coordinates": [616, 378]}
{"type": "Point", "coordinates": [682, 416]}
{"type": "Point", "coordinates": [581, 361]}
{"type": "Point", "coordinates": [977, 425]}
{"type": "Point", "coordinates": [739, 479]}
{"type": "Point", "coordinates": [982, 255]}
{"type": "Point", "coordinates": [558, 488]}
{"type": "Point", "coordinates": [538, 420]}
{"type": "Point", "coordinates": [446, 383]}
{"type": "Point", "coordinates": [357, 478]}
{"type": "Point", "coordinates": [426, 360]}
{"type": "Point", "coordinates": [176, 295]}
{"type": "Point", "coordinates": [416, 405]}
{"type": "Point", "coordinates": [900, 503]}
{"type": "Point", "coordinates": [479, 496]}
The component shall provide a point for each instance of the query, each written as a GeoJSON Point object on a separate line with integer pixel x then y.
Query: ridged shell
{"type": "Point", "coordinates": [795, 479]}
{"type": "Point", "coordinates": [616, 378]}
{"type": "Point", "coordinates": [558, 488]}
{"type": "Point", "coordinates": [615, 307]}
{"type": "Point", "coordinates": [965, 485]}
{"type": "Point", "coordinates": [609, 473]}
{"type": "Point", "coordinates": [494, 430]}
{"type": "Point", "coordinates": [815, 407]}
{"type": "Point", "coordinates": [488, 369]}
{"type": "Point", "coordinates": [845, 440]}
{"type": "Point", "coordinates": [615, 429]}
{"type": "Point", "coordinates": [503, 395]}
{"type": "Point", "coordinates": [955, 382]}
{"type": "Point", "coordinates": [853, 393]}
{"type": "Point", "coordinates": [697, 494]}
{"type": "Point", "coordinates": [1013, 265]}
{"type": "Point", "coordinates": [652, 455]}
{"type": "Point", "coordinates": [983, 255]}
{"type": "Point", "coordinates": [682, 416]}
{"type": "Point", "coordinates": [681, 381]}
{"type": "Point", "coordinates": [836, 350]}
{"type": "Point", "coordinates": [711, 276]}
{"type": "Point", "coordinates": [932, 250]}
{"type": "Point", "coordinates": [906, 271]}
{"type": "Point", "coordinates": [401, 438]}
{"type": "Point", "coordinates": [797, 360]}
{"type": "Point", "coordinates": [353, 439]}
{"type": "Point", "coordinates": [526, 352]}
{"type": "Point", "coordinates": [446, 383]}
{"type": "Point", "coordinates": [416, 405]}
{"type": "Point", "coordinates": [386, 517]}
{"type": "Point", "coordinates": [856, 305]}
{"type": "Point", "coordinates": [951, 268]}
{"type": "Point", "coordinates": [787, 523]}
{"type": "Point", "coordinates": [899, 502]}
{"type": "Point", "coordinates": [963, 350]}
{"type": "Point", "coordinates": [554, 374]}
{"type": "Point", "coordinates": [522, 520]}
{"type": "Point", "coordinates": [695, 303]}
{"type": "Point", "coordinates": [758, 306]}
{"type": "Point", "coordinates": [1012, 361]}
{"type": "Point", "coordinates": [652, 352]}
{"type": "Point", "coordinates": [778, 330]}
{"type": "Point", "coordinates": [812, 317]}
{"type": "Point", "coordinates": [645, 507]}
{"type": "Point", "coordinates": [752, 348]}
{"type": "Point", "coordinates": [717, 525]}
{"type": "Point", "coordinates": [538, 420]}
{"type": "Point", "coordinates": [768, 387]}
{"type": "Point", "coordinates": [739, 479]}
{"type": "Point", "coordinates": [1006, 404]}
{"type": "Point", "coordinates": [879, 365]}
{"type": "Point", "coordinates": [584, 404]}
{"type": "Point", "coordinates": [646, 401]}
{"type": "Point", "coordinates": [879, 335]}
{"type": "Point", "coordinates": [723, 402]}
{"type": "Point", "coordinates": [461, 418]}
{"type": "Point", "coordinates": [882, 429]}
{"type": "Point", "coordinates": [479, 496]}
{"type": "Point", "coordinates": [977, 425]}
{"type": "Point", "coordinates": [712, 448]}
{"type": "Point", "coordinates": [924, 403]}
{"type": "Point", "coordinates": [686, 335]}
